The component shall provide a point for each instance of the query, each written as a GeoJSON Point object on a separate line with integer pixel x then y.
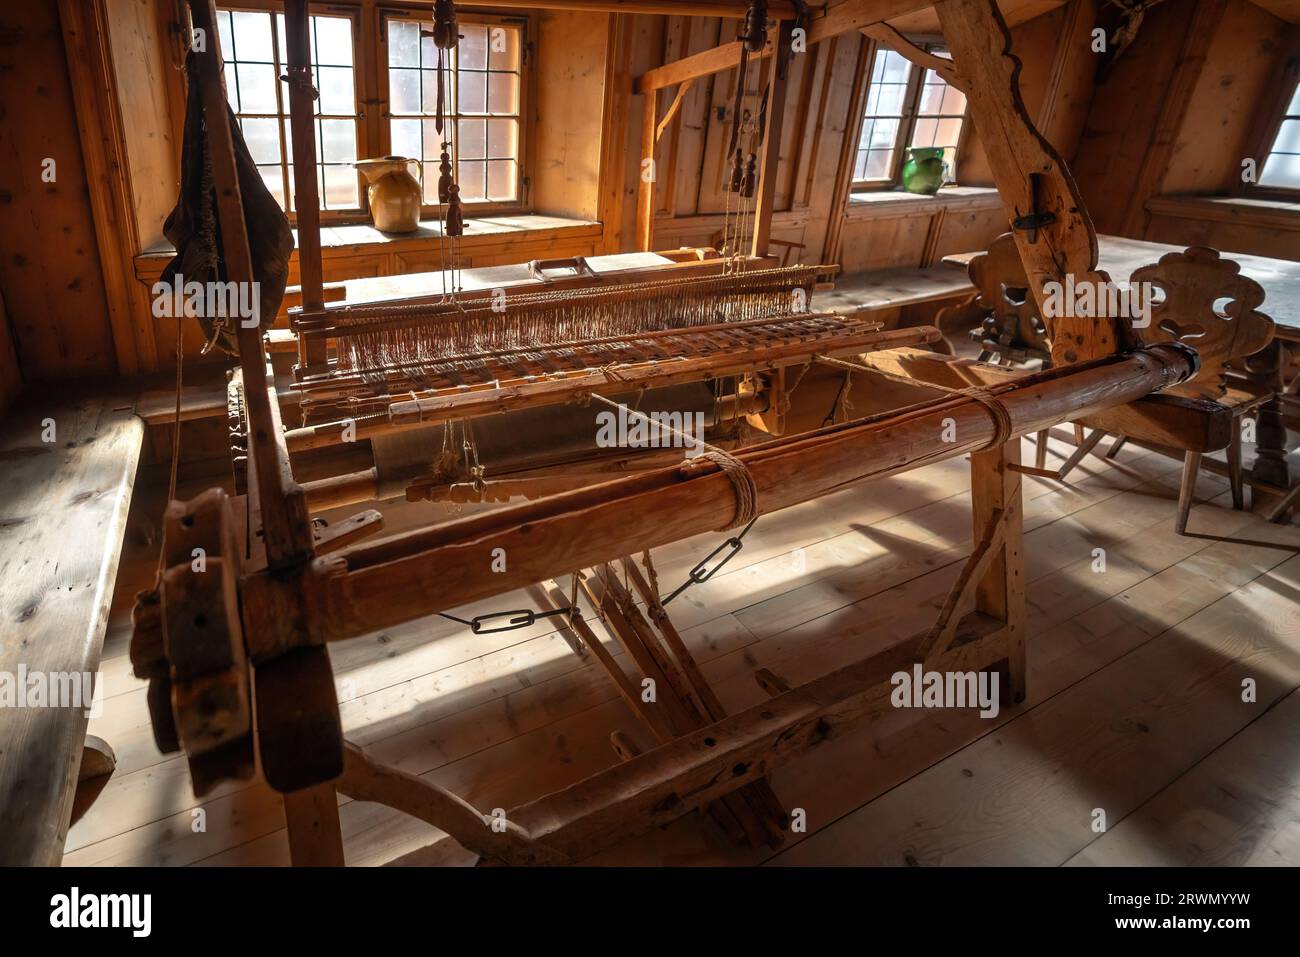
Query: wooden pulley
{"type": "Point", "coordinates": [445, 31]}
{"type": "Point", "coordinates": [444, 176]}
{"type": "Point", "coordinates": [753, 30]}
{"type": "Point", "coordinates": [750, 182]}
{"type": "Point", "coordinates": [736, 178]}
{"type": "Point", "coordinates": [455, 215]}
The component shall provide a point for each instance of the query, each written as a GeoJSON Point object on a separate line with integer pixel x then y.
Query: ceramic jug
{"type": "Point", "coordinates": [394, 193]}
{"type": "Point", "coordinates": [925, 171]}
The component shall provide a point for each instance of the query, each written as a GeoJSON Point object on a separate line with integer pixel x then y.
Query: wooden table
{"type": "Point", "coordinates": [1120, 257]}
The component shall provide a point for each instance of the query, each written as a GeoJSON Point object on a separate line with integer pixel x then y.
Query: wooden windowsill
{"type": "Point", "coordinates": [1242, 210]}
{"type": "Point", "coordinates": [872, 204]}
{"type": "Point", "coordinates": [339, 242]}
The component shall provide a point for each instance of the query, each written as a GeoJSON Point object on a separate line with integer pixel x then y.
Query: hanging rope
{"type": "Point", "coordinates": [446, 36]}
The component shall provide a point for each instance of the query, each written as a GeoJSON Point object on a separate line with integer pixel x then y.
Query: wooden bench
{"type": "Point", "coordinates": [893, 289]}
{"type": "Point", "coordinates": [67, 466]}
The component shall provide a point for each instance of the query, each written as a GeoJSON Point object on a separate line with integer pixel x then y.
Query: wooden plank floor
{"type": "Point", "coordinates": [1135, 707]}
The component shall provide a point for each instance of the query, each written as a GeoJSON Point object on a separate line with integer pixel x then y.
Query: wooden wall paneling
{"type": "Point", "coordinates": [1238, 237]}
{"type": "Point", "coordinates": [884, 242]}
{"type": "Point", "coordinates": [114, 59]}
{"type": "Point", "coordinates": [49, 260]}
{"type": "Point", "coordinates": [964, 229]}
{"type": "Point", "coordinates": [811, 66]}
{"type": "Point", "coordinates": [1234, 84]}
{"type": "Point", "coordinates": [1120, 127]}
{"type": "Point", "coordinates": [1064, 108]}
{"type": "Point", "coordinates": [647, 41]}
{"type": "Point", "coordinates": [704, 229]}
{"type": "Point", "coordinates": [847, 60]}
{"type": "Point", "coordinates": [571, 60]}
{"type": "Point", "coordinates": [150, 83]}
{"type": "Point", "coordinates": [1201, 30]}
{"type": "Point", "coordinates": [932, 234]}
{"type": "Point", "coordinates": [691, 125]}
{"type": "Point", "coordinates": [793, 129]}
{"type": "Point", "coordinates": [675, 40]}
{"type": "Point", "coordinates": [709, 196]}
{"type": "Point", "coordinates": [615, 118]}
{"type": "Point", "coordinates": [172, 47]}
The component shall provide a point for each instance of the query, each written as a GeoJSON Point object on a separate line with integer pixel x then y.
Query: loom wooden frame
{"type": "Point", "coordinates": [298, 599]}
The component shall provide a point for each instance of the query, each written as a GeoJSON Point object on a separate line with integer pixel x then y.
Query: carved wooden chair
{"type": "Point", "coordinates": [1011, 331]}
{"type": "Point", "coordinates": [1204, 301]}
{"type": "Point", "coordinates": [1198, 298]}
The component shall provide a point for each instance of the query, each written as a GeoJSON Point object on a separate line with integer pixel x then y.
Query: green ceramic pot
{"type": "Point", "coordinates": [924, 170]}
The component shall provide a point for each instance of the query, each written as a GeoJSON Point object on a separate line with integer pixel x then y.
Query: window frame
{"type": "Point", "coordinates": [353, 214]}
{"type": "Point", "coordinates": [526, 23]}
{"type": "Point", "coordinates": [1268, 123]}
{"type": "Point", "coordinates": [370, 81]}
{"type": "Point", "coordinates": [908, 120]}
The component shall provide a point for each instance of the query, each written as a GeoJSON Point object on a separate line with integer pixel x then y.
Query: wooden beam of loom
{"type": "Point", "coordinates": [658, 787]}
{"type": "Point", "coordinates": [510, 395]}
{"type": "Point", "coordinates": [385, 583]}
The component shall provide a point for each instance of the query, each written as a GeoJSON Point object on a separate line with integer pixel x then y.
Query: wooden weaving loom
{"type": "Point", "coordinates": [237, 655]}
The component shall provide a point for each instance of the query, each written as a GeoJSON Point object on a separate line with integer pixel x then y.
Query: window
{"type": "Point", "coordinates": [253, 47]}
{"type": "Point", "coordinates": [378, 96]}
{"type": "Point", "coordinates": [1281, 169]}
{"type": "Point", "coordinates": [483, 103]}
{"type": "Point", "coordinates": [905, 106]}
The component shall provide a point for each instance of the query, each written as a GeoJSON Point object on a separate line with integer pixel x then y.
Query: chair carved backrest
{"type": "Point", "coordinates": [1012, 324]}
{"type": "Point", "coordinates": [1208, 304]}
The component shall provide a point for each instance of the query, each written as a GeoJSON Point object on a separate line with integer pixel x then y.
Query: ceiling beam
{"type": "Point", "coordinates": [847, 17]}
{"type": "Point", "coordinates": [734, 9]}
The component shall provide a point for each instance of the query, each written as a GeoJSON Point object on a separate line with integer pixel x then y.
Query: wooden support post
{"type": "Point", "coordinates": [645, 196]}
{"type": "Point", "coordinates": [302, 122]}
{"type": "Point", "coordinates": [1270, 468]}
{"type": "Point", "coordinates": [312, 818]}
{"type": "Point", "coordinates": [285, 528]}
{"type": "Point", "coordinates": [1053, 232]}
{"type": "Point", "coordinates": [778, 82]}
{"type": "Point", "coordinates": [995, 487]}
